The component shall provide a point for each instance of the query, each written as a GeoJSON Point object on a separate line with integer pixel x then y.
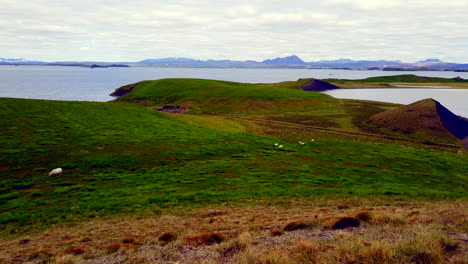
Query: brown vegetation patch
{"type": "Point", "coordinates": [437, 232]}
{"type": "Point", "coordinates": [40, 255]}
{"type": "Point", "coordinates": [346, 222]}
{"type": "Point", "coordinates": [205, 239]}
{"type": "Point", "coordinates": [296, 226]}
{"type": "Point", "coordinates": [364, 216]}
{"type": "Point", "coordinates": [113, 248]}
{"type": "Point", "coordinates": [276, 232]}
{"type": "Point", "coordinates": [75, 250]}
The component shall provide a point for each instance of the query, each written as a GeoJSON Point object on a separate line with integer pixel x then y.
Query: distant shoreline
{"type": "Point", "coordinates": [295, 67]}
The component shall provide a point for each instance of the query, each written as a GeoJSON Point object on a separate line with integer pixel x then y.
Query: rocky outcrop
{"type": "Point", "coordinates": [317, 85]}
{"type": "Point", "coordinates": [126, 89]}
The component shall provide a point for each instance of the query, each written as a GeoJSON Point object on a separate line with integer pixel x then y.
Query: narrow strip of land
{"type": "Point", "coordinates": [338, 131]}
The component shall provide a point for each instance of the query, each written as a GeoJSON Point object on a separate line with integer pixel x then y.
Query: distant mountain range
{"type": "Point", "coordinates": [285, 62]}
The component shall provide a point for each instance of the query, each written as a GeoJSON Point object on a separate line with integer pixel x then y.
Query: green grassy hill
{"type": "Point", "coordinates": [121, 158]}
{"type": "Point", "coordinates": [220, 97]}
{"type": "Point", "coordinates": [275, 103]}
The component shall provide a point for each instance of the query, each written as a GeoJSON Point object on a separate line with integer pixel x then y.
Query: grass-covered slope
{"type": "Point", "coordinates": [180, 89]}
{"type": "Point", "coordinates": [278, 102]}
{"type": "Point", "coordinates": [219, 97]}
{"type": "Point", "coordinates": [126, 158]}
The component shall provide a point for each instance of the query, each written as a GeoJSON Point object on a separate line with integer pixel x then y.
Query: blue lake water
{"type": "Point", "coordinates": [456, 100]}
{"type": "Point", "coordinates": [86, 84]}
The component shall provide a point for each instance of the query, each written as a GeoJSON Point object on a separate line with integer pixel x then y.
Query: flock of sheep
{"type": "Point", "coordinates": [300, 142]}
{"type": "Point", "coordinates": [59, 171]}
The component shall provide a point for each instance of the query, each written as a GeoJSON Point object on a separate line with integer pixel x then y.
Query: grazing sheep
{"type": "Point", "coordinates": [56, 172]}
{"type": "Point", "coordinates": [280, 146]}
{"type": "Point", "coordinates": [276, 144]}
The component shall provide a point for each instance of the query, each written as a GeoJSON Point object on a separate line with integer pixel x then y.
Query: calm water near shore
{"type": "Point", "coordinates": [456, 100]}
{"type": "Point", "coordinates": [86, 84]}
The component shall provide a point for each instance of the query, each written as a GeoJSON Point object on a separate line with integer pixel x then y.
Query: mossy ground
{"type": "Point", "coordinates": [121, 158]}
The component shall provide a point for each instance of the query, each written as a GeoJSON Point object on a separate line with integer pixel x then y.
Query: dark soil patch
{"type": "Point", "coordinates": [167, 237]}
{"type": "Point", "coordinates": [346, 222]}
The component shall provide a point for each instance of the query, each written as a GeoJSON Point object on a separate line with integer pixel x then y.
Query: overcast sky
{"type": "Point", "coordinates": [133, 30]}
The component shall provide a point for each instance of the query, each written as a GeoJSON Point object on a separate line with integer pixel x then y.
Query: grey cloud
{"type": "Point", "coordinates": [133, 30]}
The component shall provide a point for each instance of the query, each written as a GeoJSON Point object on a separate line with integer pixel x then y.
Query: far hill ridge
{"type": "Point", "coordinates": [286, 60]}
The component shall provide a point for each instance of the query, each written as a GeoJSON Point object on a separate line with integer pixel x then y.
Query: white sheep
{"type": "Point", "coordinates": [56, 172]}
{"type": "Point", "coordinates": [280, 146]}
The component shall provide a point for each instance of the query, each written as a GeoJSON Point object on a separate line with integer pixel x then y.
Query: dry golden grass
{"type": "Point", "coordinates": [389, 232]}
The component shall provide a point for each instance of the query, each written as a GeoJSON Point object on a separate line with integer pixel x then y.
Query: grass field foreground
{"type": "Point", "coordinates": [298, 232]}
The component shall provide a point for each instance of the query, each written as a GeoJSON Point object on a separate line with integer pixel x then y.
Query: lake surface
{"type": "Point", "coordinates": [86, 84]}
{"type": "Point", "coordinates": [456, 100]}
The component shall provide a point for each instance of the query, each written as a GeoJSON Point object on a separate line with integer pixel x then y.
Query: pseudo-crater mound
{"type": "Point", "coordinates": [427, 117]}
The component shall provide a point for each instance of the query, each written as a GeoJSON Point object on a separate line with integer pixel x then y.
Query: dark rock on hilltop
{"type": "Point", "coordinates": [426, 118]}
{"type": "Point", "coordinates": [318, 85]}
{"type": "Point", "coordinates": [456, 125]}
{"type": "Point", "coordinates": [126, 89]}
